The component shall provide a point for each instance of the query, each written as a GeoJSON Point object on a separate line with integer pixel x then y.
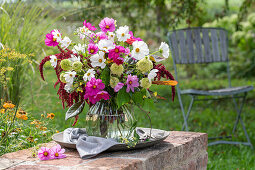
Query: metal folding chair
{"type": "Point", "coordinates": [206, 45]}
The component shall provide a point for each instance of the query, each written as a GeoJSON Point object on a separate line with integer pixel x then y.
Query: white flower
{"type": "Point", "coordinates": [152, 74]}
{"type": "Point", "coordinates": [98, 60]}
{"type": "Point", "coordinates": [68, 87]}
{"type": "Point", "coordinates": [69, 76]}
{"type": "Point", "coordinates": [111, 36]}
{"type": "Point", "coordinates": [140, 50]}
{"type": "Point", "coordinates": [65, 42]}
{"type": "Point", "coordinates": [57, 35]}
{"type": "Point", "coordinates": [74, 58]}
{"type": "Point", "coordinates": [123, 33]}
{"type": "Point", "coordinates": [164, 49]}
{"type": "Point", "coordinates": [89, 74]}
{"type": "Point", "coordinates": [53, 61]}
{"type": "Point", "coordinates": [79, 48]}
{"type": "Point", "coordinates": [83, 32]}
{"type": "Point", "coordinates": [106, 45]}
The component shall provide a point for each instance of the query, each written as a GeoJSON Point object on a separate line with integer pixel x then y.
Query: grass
{"type": "Point", "coordinates": [212, 117]}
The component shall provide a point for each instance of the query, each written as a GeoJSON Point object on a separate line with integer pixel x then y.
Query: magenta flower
{"type": "Point", "coordinates": [102, 95]}
{"type": "Point", "coordinates": [57, 152]}
{"type": "Point", "coordinates": [50, 41]}
{"type": "Point", "coordinates": [118, 86]}
{"type": "Point", "coordinates": [94, 86]}
{"type": "Point", "coordinates": [115, 53]}
{"type": "Point", "coordinates": [44, 153]}
{"type": "Point", "coordinates": [101, 35]}
{"type": "Point", "coordinates": [107, 24]}
{"type": "Point", "coordinates": [89, 26]}
{"type": "Point", "coordinates": [92, 48]}
{"type": "Point", "coordinates": [127, 51]}
{"type": "Point", "coordinates": [132, 81]}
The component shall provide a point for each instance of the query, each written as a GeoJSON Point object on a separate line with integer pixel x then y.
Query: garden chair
{"type": "Point", "coordinates": [206, 45]}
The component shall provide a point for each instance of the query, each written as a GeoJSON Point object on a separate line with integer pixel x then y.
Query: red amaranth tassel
{"type": "Point", "coordinates": [75, 121]}
{"type": "Point", "coordinates": [47, 58]}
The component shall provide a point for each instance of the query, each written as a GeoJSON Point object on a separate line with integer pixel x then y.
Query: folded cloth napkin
{"type": "Point", "coordinates": [87, 146]}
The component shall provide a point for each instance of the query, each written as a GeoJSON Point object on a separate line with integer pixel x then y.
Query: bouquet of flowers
{"type": "Point", "coordinates": [107, 70]}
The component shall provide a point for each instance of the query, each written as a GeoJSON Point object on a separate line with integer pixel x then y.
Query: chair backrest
{"type": "Point", "coordinates": [199, 45]}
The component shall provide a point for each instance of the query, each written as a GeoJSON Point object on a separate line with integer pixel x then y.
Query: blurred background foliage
{"type": "Point", "coordinates": [24, 24]}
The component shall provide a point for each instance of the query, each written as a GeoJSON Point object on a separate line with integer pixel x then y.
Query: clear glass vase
{"type": "Point", "coordinates": [104, 119]}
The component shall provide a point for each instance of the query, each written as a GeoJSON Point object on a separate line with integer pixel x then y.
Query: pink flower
{"type": "Point", "coordinates": [101, 35]}
{"type": "Point", "coordinates": [50, 41]}
{"type": "Point", "coordinates": [118, 87]}
{"type": "Point", "coordinates": [89, 26]}
{"type": "Point", "coordinates": [44, 153]}
{"type": "Point", "coordinates": [57, 152]}
{"type": "Point", "coordinates": [92, 88]}
{"type": "Point", "coordinates": [92, 49]}
{"type": "Point", "coordinates": [132, 38]}
{"type": "Point", "coordinates": [132, 81]}
{"type": "Point", "coordinates": [127, 51]}
{"type": "Point", "coordinates": [107, 24]}
{"type": "Point", "coordinates": [102, 95]}
{"type": "Point", "coordinates": [114, 53]}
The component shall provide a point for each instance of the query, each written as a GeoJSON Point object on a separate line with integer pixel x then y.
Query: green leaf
{"type": "Point", "coordinates": [122, 97]}
{"type": "Point", "coordinates": [75, 109]}
{"type": "Point", "coordinates": [105, 76]}
{"type": "Point", "coordinates": [137, 97]}
{"type": "Point", "coordinates": [148, 104]}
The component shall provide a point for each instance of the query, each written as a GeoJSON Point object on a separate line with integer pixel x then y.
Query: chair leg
{"type": "Point", "coordinates": [182, 109]}
{"type": "Point", "coordinates": [189, 109]}
{"type": "Point", "coordinates": [239, 118]}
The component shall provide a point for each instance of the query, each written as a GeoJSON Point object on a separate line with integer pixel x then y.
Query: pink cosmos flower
{"type": "Point", "coordinates": [101, 35]}
{"type": "Point", "coordinates": [50, 41]}
{"type": "Point", "coordinates": [118, 86]}
{"type": "Point", "coordinates": [132, 38]}
{"type": "Point", "coordinates": [94, 86]}
{"type": "Point", "coordinates": [132, 81]}
{"type": "Point", "coordinates": [107, 24]}
{"type": "Point", "coordinates": [44, 153]}
{"type": "Point", "coordinates": [57, 152]}
{"type": "Point", "coordinates": [114, 53]}
{"type": "Point", "coordinates": [92, 48]}
{"type": "Point", "coordinates": [102, 95]}
{"type": "Point", "coordinates": [127, 51]}
{"type": "Point", "coordinates": [89, 26]}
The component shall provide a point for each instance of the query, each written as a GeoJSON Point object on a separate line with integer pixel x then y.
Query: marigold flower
{"type": "Point", "coordinates": [35, 122]}
{"type": "Point", "coordinates": [8, 105]}
{"type": "Point", "coordinates": [21, 114]}
{"type": "Point", "coordinates": [50, 115]}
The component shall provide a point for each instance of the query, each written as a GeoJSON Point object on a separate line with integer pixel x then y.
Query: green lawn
{"type": "Point", "coordinates": [212, 117]}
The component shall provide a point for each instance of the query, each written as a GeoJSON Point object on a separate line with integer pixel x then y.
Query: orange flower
{"type": "Point", "coordinates": [169, 82]}
{"type": "Point", "coordinates": [8, 105]}
{"type": "Point", "coordinates": [43, 128]}
{"type": "Point", "coordinates": [30, 139]}
{"type": "Point", "coordinates": [35, 122]}
{"type": "Point", "coordinates": [21, 114]}
{"type": "Point", "coordinates": [50, 115]}
{"type": "Point", "coordinates": [57, 131]}
{"type": "Point", "coordinates": [2, 111]}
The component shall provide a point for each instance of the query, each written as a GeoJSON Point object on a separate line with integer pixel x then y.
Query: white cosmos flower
{"type": "Point", "coordinates": [89, 74]}
{"type": "Point", "coordinates": [65, 42]}
{"type": "Point", "coordinates": [164, 49]}
{"type": "Point", "coordinates": [53, 61]}
{"type": "Point", "coordinates": [74, 58]}
{"type": "Point", "coordinates": [123, 33]}
{"type": "Point", "coordinates": [140, 50]}
{"type": "Point", "coordinates": [68, 87]}
{"type": "Point", "coordinates": [152, 74]}
{"type": "Point", "coordinates": [56, 34]}
{"type": "Point", "coordinates": [111, 36]}
{"type": "Point", "coordinates": [105, 45]}
{"type": "Point", "coordinates": [69, 76]}
{"type": "Point", "coordinates": [79, 48]}
{"type": "Point", "coordinates": [98, 60]}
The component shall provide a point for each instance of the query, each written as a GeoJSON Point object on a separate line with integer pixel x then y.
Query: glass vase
{"type": "Point", "coordinates": [105, 119]}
